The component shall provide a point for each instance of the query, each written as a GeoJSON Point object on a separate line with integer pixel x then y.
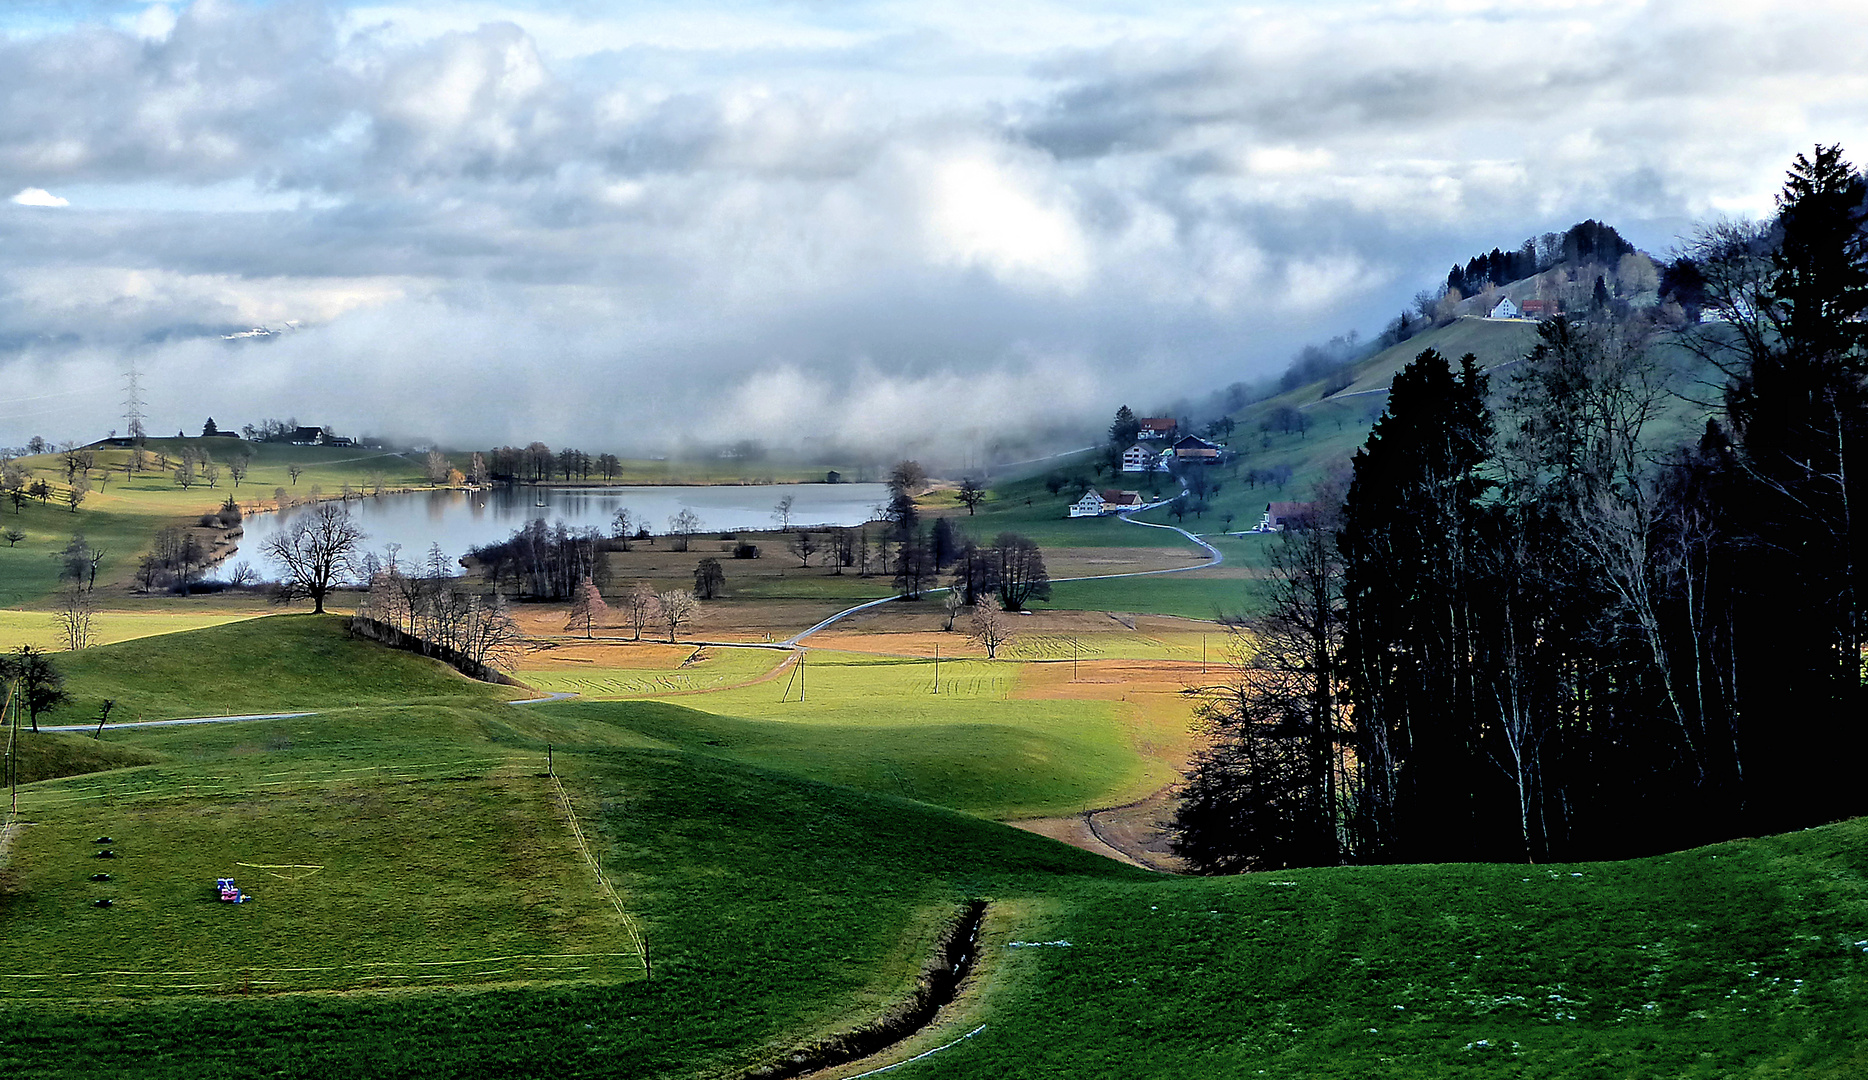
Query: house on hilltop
{"type": "Point", "coordinates": [1091, 505]}
{"type": "Point", "coordinates": [317, 436]}
{"type": "Point", "coordinates": [1505, 309]}
{"type": "Point", "coordinates": [1157, 427]}
{"type": "Point", "coordinates": [1280, 516]}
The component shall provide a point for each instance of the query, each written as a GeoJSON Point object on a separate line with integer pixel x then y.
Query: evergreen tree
{"type": "Point", "coordinates": [1126, 428]}
{"type": "Point", "coordinates": [1799, 411]}
{"type": "Point", "coordinates": [1408, 530]}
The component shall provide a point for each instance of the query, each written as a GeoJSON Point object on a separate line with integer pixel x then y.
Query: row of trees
{"type": "Point", "coordinates": [544, 562]}
{"type": "Point", "coordinates": [428, 601]}
{"type": "Point", "coordinates": [537, 463]}
{"type": "Point", "coordinates": [1546, 633]}
{"type": "Point", "coordinates": [642, 606]}
{"type": "Point", "coordinates": [1586, 243]}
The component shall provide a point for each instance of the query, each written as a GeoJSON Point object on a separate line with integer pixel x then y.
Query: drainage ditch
{"type": "Point", "coordinates": [939, 983]}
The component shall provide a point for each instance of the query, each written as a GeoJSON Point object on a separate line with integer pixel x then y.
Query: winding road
{"type": "Point", "coordinates": [1214, 558]}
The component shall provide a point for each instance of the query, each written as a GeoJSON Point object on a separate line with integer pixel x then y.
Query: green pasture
{"type": "Point", "coordinates": [708, 668]}
{"type": "Point", "coordinates": [1025, 507]}
{"type": "Point", "coordinates": [1162, 594]}
{"type": "Point", "coordinates": [879, 724]}
{"type": "Point", "coordinates": [277, 664]}
{"type": "Point", "coordinates": [786, 890]}
{"type": "Point", "coordinates": [1493, 341]}
{"type": "Point", "coordinates": [29, 570]}
{"type": "Point", "coordinates": [123, 514]}
{"type": "Point", "coordinates": [460, 873]}
{"type": "Point", "coordinates": [808, 583]}
{"type": "Point", "coordinates": [41, 630]}
{"type": "Point", "coordinates": [1745, 959]}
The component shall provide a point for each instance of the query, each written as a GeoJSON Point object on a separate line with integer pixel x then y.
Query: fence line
{"type": "Point", "coordinates": [584, 846]}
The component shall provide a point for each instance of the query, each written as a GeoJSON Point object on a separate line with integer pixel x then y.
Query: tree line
{"type": "Point", "coordinates": [1529, 624]}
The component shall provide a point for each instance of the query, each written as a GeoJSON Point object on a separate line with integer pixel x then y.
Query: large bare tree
{"type": "Point", "coordinates": [318, 552]}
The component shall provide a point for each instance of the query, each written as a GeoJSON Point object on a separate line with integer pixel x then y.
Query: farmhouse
{"type": "Point", "coordinates": [317, 436]}
{"type": "Point", "coordinates": [1141, 459]}
{"type": "Point", "coordinates": [1192, 449]}
{"type": "Point", "coordinates": [1089, 506]}
{"type": "Point", "coordinates": [1157, 427]}
{"type": "Point", "coordinates": [1505, 309]}
{"type": "Point", "coordinates": [1095, 503]}
{"type": "Point", "coordinates": [1280, 516]}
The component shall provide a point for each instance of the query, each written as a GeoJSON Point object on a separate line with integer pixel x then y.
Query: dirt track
{"type": "Point", "coordinates": [1132, 833]}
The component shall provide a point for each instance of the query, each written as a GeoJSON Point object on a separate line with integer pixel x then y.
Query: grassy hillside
{"type": "Point", "coordinates": [778, 909]}
{"type": "Point", "coordinates": [122, 515]}
{"type": "Point", "coordinates": [285, 662]}
{"type": "Point", "coordinates": [417, 852]}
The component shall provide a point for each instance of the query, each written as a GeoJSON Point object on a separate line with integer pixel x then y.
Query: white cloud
{"type": "Point", "coordinates": [988, 211]}
{"type": "Point", "coordinates": [863, 220]}
{"type": "Point", "coordinates": [33, 196]}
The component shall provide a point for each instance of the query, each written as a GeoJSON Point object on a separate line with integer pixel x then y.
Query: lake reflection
{"type": "Point", "coordinates": [459, 520]}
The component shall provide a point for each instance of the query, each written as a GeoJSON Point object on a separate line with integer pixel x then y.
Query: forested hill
{"type": "Point", "coordinates": [1539, 616]}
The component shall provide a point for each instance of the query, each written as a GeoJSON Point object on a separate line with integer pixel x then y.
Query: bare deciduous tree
{"type": "Point", "coordinates": [318, 552]}
{"type": "Point", "coordinates": [682, 527]}
{"type": "Point", "coordinates": [678, 608]}
{"type": "Point", "coordinates": [804, 545]}
{"type": "Point", "coordinates": [587, 607]}
{"type": "Point", "coordinates": [971, 494]}
{"type": "Point", "coordinates": [951, 605]}
{"type": "Point", "coordinates": [989, 627]}
{"type": "Point", "coordinates": [644, 607]}
{"type": "Point", "coordinates": [77, 613]}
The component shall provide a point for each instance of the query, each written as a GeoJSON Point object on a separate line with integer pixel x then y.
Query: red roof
{"type": "Point", "coordinates": [1123, 498]}
{"type": "Point", "coordinates": [1157, 423]}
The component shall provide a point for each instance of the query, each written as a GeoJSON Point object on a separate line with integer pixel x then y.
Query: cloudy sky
{"type": "Point", "coordinates": [616, 225]}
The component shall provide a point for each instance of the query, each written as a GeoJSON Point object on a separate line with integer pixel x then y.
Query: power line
{"type": "Point", "coordinates": [133, 403]}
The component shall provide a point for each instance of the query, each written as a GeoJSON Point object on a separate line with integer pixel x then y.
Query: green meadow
{"type": "Point", "coordinates": [424, 907]}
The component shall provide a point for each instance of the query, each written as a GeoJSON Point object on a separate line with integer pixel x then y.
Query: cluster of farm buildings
{"type": "Point", "coordinates": [1155, 450]}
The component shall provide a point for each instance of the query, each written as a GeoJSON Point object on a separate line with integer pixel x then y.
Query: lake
{"type": "Point", "coordinates": [459, 520]}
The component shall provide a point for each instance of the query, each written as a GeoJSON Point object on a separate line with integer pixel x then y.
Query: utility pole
{"type": "Point", "coordinates": [11, 714]}
{"type": "Point", "coordinates": [937, 667]}
{"type": "Point", "coordinates": [1076, 658]}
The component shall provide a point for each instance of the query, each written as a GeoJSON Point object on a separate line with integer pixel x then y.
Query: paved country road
{"type": "Point", "coordinates": [793, 642]}
{"type": "Point", "coordinates": [180, 720]}
{"type": "Point", "coordinates": [1214, 558]}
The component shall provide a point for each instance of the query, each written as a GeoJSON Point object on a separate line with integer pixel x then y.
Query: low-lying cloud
{"type": "Point", "coordinates": [860, 227]}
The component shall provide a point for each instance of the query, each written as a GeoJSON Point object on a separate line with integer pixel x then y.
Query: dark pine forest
{"type": "Point", "coordinates": [1530, 625]}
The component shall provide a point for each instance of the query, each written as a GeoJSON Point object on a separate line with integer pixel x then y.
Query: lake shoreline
{"type": "Point", "coordinates": [463, 517]}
